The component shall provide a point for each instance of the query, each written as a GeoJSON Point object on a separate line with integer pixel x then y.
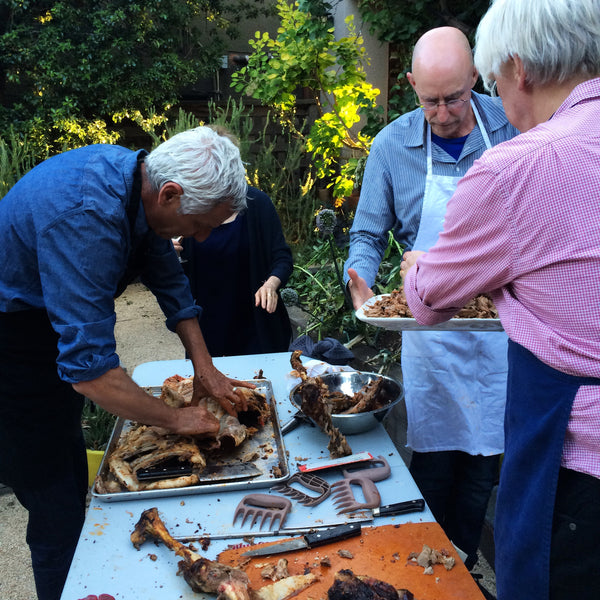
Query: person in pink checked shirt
{"type": "Point", "coordinates": [524, 227]}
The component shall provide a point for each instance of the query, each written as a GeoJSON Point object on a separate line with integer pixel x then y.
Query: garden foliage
{"type": "Point", "coordinates": [306, 56]}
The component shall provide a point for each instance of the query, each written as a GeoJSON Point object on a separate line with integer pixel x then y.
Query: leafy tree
{"type": "Point", "coordinates": [70, 68]}
{"type": "Point", "coordinates": [404, 22]}
{"type": "Point", "coordinates": [305, 54]}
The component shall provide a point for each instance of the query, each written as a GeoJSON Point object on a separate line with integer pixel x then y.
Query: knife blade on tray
{"type": "Point", "coordinates": [309, 540]}
{"type": "Point", "coordinates": [212, 473]}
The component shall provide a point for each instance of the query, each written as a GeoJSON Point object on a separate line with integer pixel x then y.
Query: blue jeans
{"type": "Point", "coordinates": [56, 514]}
{"type": "Point", "coordinates": [457, 488]}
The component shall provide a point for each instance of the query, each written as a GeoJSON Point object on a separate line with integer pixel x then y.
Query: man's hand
{"type": "Point", "coordinates": [196, 420]}
{"type": "Point", "coordinates": [409, 258]}
{"type": "Point", "coordinates": [358, 288]}
{"type": "Point", "coordinates": [222, 389]}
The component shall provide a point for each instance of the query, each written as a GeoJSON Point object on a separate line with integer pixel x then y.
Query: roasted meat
{"type": "Point", "coordinates": [372, 396]}
{"type": "Point", "coordinates": [201, 574]}
{"type": "Point", "coordinates": [144, 447]}
{"type": "Point", "coordinates": [211, 576]}
{"type": "Point", "coordinates": [348, 586]}
{"type": "Point", "coordinates": [177, 391]}
{"type": "Point", "coordinates": [312, 390]}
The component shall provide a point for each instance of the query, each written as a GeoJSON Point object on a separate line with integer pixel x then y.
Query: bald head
{"type": "Point", "coordinates": [442, 50]}
{"type": "Point", "coordinates": [442, 70]}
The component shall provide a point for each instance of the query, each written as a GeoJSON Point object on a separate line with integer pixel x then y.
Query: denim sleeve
{"type": "Point", "coordinates": [374, 217]}
{"type": "Point", "coordinates": [80, 257]}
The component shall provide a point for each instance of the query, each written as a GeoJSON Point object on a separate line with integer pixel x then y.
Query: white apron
{"type": "Point", "coordinates": [455, 382]}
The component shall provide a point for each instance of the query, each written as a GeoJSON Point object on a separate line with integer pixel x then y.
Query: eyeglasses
{"type": "Point", "coordinates": [450, 105]}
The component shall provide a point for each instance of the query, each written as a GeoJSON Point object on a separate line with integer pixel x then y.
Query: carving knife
{"type": "Point", "coordinates": [309, 540]}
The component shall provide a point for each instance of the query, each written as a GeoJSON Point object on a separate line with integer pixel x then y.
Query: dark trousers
{"type": "Point", "coordinates": [457, 488]}
{"type": "Point", "coordinates": [56, 514]}
{"type": "Point", "coordinates": [42, 452]}
{"type": "Point", "coordinates": [575, 549]}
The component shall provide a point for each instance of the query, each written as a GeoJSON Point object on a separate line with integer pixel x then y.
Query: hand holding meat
{"type": "Point", "coordinates": [197, 420]}
{"type": "Point", "coordinates": [223, 389]}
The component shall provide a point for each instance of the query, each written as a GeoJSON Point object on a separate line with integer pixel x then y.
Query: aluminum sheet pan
{"type": "Point", "coordinates": [408, 324]}
{"type": "Point", "coordinates": [269, 437]}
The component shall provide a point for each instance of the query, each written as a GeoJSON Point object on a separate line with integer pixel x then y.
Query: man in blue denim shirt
{"type": "Point", "coordinates": [75, 230]}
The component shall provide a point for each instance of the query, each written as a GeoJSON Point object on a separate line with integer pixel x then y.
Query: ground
{"type": "Point", "coordinates": [141, 337]}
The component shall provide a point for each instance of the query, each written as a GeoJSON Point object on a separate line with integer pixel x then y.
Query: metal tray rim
{"type": "Point", "coordinates": [202, 488]}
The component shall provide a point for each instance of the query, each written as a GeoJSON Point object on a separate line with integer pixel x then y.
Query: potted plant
{"type": "Point", "coordinates": [97, 425]}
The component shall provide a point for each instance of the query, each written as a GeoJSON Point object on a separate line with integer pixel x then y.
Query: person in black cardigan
{"type": "Point", "coordinates": [235, 276]}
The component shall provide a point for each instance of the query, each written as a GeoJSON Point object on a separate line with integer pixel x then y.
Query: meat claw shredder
{"type": "Point", "coordinates": [264, 507]}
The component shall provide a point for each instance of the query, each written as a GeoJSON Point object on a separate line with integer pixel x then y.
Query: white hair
{"type": "Point", "coordinates": [555, 39]}
{"type": "Point", "coordinates": [206, 165]}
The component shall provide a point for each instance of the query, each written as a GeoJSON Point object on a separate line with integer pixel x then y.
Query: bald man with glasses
{"type": "Point", "coordinates": [455, 382]}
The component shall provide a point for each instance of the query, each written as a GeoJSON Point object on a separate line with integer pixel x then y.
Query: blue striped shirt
{"type": "Point", "coordinates": [392, 191]}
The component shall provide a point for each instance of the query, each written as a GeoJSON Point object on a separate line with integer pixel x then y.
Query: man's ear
{"type": "Point", "coordinates": [519, 72]}
{"type": "Point", "coordinates": [475, 76]}
{"type": "Point", "coordinates": [411, 79]}
{"type": "Point", "coordinates": [170, 192]}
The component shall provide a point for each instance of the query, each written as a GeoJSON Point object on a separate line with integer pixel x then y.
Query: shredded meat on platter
{"type": "Point", "coordinates": [394, 306]}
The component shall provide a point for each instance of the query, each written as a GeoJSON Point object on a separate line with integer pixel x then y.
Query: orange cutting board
{"type": "Point", "coordinates": [380, 552]}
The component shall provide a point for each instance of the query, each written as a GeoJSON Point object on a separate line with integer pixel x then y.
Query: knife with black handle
{"type": "Point", "coordinates": [400, 508]}
{"type": "Point", "coordinates": [310, 540]}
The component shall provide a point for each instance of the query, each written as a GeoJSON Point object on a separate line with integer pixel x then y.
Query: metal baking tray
{"type": "Point", "coordinates": [267, 444]}
{"type": "Point", "coordinates": [408, 324]}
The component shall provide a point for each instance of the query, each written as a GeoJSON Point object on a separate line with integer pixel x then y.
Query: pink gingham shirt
{"type": "Point", "coordinates": [524, 226]}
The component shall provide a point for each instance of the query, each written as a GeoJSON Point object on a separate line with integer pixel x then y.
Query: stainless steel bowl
{"type": "Point", "coordinates": [350, 382]}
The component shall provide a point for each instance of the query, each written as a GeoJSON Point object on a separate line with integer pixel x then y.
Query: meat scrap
{"type": "Point", "coordinates": [211, 576]}
{"type": "Point", "coordinates": [429, 557]}
{"type": "Point", "coordinates": [276, 571]}
{"type": "Point", "coordinates": [348, 586]}
{"type": "Point", "coordinates": [394, 305]}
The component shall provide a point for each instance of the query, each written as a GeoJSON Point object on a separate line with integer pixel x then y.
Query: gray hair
{"type": "Point", "coordinates": [206, 165]}
{"type": "Point", "coordinates": [555, 39]}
